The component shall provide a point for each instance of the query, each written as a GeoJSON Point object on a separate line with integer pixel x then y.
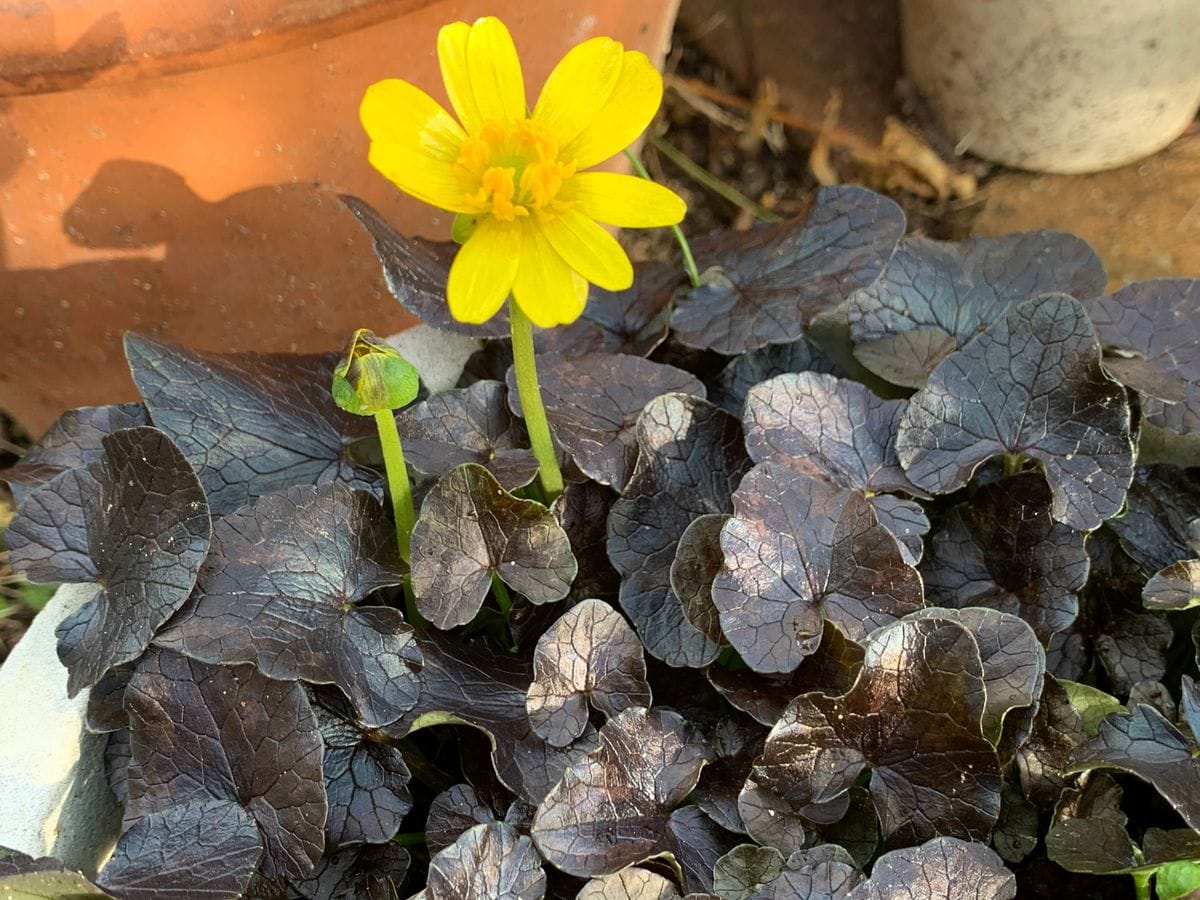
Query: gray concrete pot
{"type": "Point", "coordinates": [1057, 85]}
{"type": "Point", "coordinates": [54, 794]}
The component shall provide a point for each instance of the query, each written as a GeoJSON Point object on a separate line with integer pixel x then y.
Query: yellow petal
{"type": "Point", "coordinates": [629, 109]}
{"type": "Point", "coordinates": [548, 291]}
{"type": "Point", "coordinates": [452, 56]}
{"type": "Point", "coordinates": [579, 87]}
{"type": "Point", "coordinates": [623, 200]}
{"type": "Point", "coordinates": [401, 113]}
{"type": "Point", "coordinates": [589, 250]}
{"type": "Point", "coordinates": [428, 179]}
{"type": "Point", "coordinates": [483, 271]}
{"type": "Point", "coordinates": [495, 71]}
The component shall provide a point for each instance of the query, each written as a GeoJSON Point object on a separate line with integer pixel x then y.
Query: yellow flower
{"type": "Point", "coordinates": [516, 179]}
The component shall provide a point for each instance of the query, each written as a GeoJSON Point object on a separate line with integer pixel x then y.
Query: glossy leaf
{"type": "Point", "coordinates": [736, 742]}
{"type": "Point", "coordinates": [1003, 550]}
{"type": "Point", "coordinates": [416, 271]}
{"type": "Point", "coordinates": [914, 717]}
{"type": "Point", "coordinates": [48, 537]}
{"type": "Point", "coordinates": [372, 872]}
{"type": "Point", "coordinates": [1030, 385]}
{"type": "Point", "coordinates": [227, 733]}
{"type": "Point", "coordinates": [631, 883]}
{"type": "Point", "coordinates": [487, 862]}
{"type": "Point", "coordinates": [282, 589]}
{"type": "Point", "coordinates": [469, 425]}
{"type": "Point", "coordinates": [589, 655]}
{"type": "Point", "coordinates": [582, 511]}
{"type": "Point", "coordinates": [249, 423]}
{"type": "Point", "coordinates": [593, 403]}
{"type": "Point", "coordinates": [799, 548]}
{"type": "Point", "coordinates": [698, 560]}
{"type": "Point", "coordinates": [935, 297]}
{"type": "Point", "coordinates": [945, 867]}
{"type": "Point", "coordinates": [470, 528]}
{"type": "Point", "coordinates": [763, 287]}
{"type": "Point", "coordinates": [1156, 326]}
{"type": "Point", "coordinates": [745, 870]}
{"type": "Point", "coordinates": [647, 762]}
{"type": "Point", "coordinates": [733, 383]}
{"type": "Point", "coordinates": [148, 531]}
{"type": "Point", "coordinates": [206, 848]}
{"type": "Point", "coordinates": [1043, 760]}
{"type": "Point", "coordinates": [691, 459]}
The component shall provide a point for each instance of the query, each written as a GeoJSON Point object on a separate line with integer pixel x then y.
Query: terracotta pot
{"type": "Point", "coordinates": [1057, 85]}
{"type": "Point", "coordinates": [172, 168]}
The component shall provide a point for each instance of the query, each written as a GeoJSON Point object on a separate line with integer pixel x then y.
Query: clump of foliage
{"type": "Point", "coordinates": [872, 577]}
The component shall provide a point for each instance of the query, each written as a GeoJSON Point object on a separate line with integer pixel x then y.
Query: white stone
{"type": "Point", "coordinates": [438, 355]}
{"type": "Point", "coordinates": [1056, 85]}
{"type": "Point", "coordinates": [54, 796]}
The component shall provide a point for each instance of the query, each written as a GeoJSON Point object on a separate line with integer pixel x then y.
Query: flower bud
{"type": "Point", "coordinates": [372, 377]}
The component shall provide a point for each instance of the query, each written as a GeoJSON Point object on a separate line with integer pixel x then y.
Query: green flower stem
{"type": "Point", "coordinates": [689, 261]}
{"type": "Point", "coordinates": [531, 403]}
{"type": "Point", "coordinates": [410, 839]}
{"type": "Point", "coordinates": [503, 598]}
{"type": "Point", "coordinates": [1141, 884]}
{"type": "Point", "coordinates": [712, 182]}
{"type": "Point", "coordinates": [1013, 463]}
{"type": "Point", "coordinates": [397, 475]}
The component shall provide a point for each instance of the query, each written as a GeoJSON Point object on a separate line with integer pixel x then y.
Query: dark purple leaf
{"type": "Point", "coordinates": [469, 425]}
{"type": "Point", "coordinates": [202, 848]}
{"type": "Point", "coordinates": [106, 699]}
{"type": "Point", "coordinates": [774, 820]}
{"type": "Point", "coordinates": [698, 560]}
{"type": "Point", "coordinates": [1153, 693]}
{"type": "Point", "coordinates": [203, 732]}
{"type": "Point", "coordinates": [1133, 647]}
{"type": "Point", "coordinates": [48, 537]}
{"type": "Point", "coordinates": [416, 271]}
{"type": "Point", "coordinates": [1175, 587]}
{"type": "Point", "coordinates": [735, 742]}
{"type": "Point", "coordinates": [582, 511]}
{"type": "Point", "coordinates": [857, 830]}
{"type": "Point", "coordinates": [589, 654]}
{"type": "Point", "coordinates": [487, 862]}
{"type": "Point", "coordinates": [1030, 385]}
{"type": "Point", "coordinates": [1017, 829]}
{"type": "Point", "coordinates": [936, 297]}
{"type": "Point", "coordinates": [799, 548]}
{"type": "Point", "coordinates": [631, 883]}
{"type": "Point", "coordinates": [470, 528]}
{"type": "Point", "coordinates": [148, 531]}
{"type": "Point", "coordinates": [1003, 550]}
{"type": "Point", "coordinates": [1097, 846]}
{"type": "Point", "coordinates": [1189, 705]}
{"type": "Point", "coordinates": [1158, 322]}
{"type": "Point", "coordinates": [763, 287]}
{"type": "Point", "coordinates": [829, 427]}
{"type": "Point", "coordinates": [611, 807]}
{"type": "Point", "coordinates": [696, 843]}
{"type": "Point", "coordinates": [691, 459]}
{"type": "Point", "coordinates": [593, 403]}
{"type": "Point", "coordinates": [14, 862]}
{"type": "Point", "coordinates": [905, 519]}
{"type": "Point", "coordinates": [944, 868]}
{"type": "Point", "coordinates": [369, 873]}
{"type": "Point", "coordinates": [632, 321]}
{"type": "Point", "coordinates": [1161, 522]}
{"type": "Point", "coordinates": [280, 589]}
{"type": "Point", "coordinates": [824, 872]}
{"type": "Point", "coordinates": [745, 871]}
{"type": "Point", "coordinates": [733, 383]}
{"type": "Point", "coordinates": [830, 669]}
{"type": "Point", "coordinates": [1145, 744]}
{"type": "Point", "coordinates": [117, 760]}
{"type": "Point", "coordinates": [471, 685]}
{"type": "Point", "coordinates": [74, 441]}
{"type": "Point", "coordinates": [1043, 759]}
{"type": "Point", "coordinates": [250, 423]}
{"type": "Point", "coordinates": [914, 717]}
{"type": "Point", "coordinates": [453, 812]}
{"type": "Point", "coordinates": [366, 782]}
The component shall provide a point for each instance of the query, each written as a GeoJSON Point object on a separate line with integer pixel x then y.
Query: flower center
{"type": "Point", "coordinates": [517, 169]}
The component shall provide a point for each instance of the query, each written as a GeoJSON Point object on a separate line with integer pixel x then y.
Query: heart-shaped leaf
{"type": "Point", "coordinates": [416, 271]}
{"type": "Point", "coordinates": [589, 654]}
{"type": "Point", "coordinates": [469, 529]}
{"type": "Point", "coordinates": [944, 867]}
{"type": "Point", "coordinates": [1002, 549]}
{"type": "Point", "coordinates": [148, 531]}
{"type": "Point", "coordinates": [914, 717]}
{"type": "Point", "coordinates": [371, 871]}
{"type": "Point", "coordinates": [1031, 385]}
{"type": "Point", "coordinates": [593, 403]}
{"type": "Point", "coordinates": [282, 587]}
{"type": "Point", "coordinates": [468, 425]}
{"type": "Point", "coordinates": [691, 458]}
{"type": "Point", "coordinates": [646, 764]}
{"type": "Point", "coordinates": [582, 511]}
{"type": "Point", "coordinates": [249, 423]}
{"type": "Point", "coordinates": [456, 810]}
{"type": "Point", "coordinates": [733, 383]}
{"type": "Point", "coordinates": [799, 548]}
{"type": "Point", "coordinates": [698, 561]}
{"type": "Point", "coordinates": [763, 287]}
{"type": "Point", "coordinates": [201, 732]}
{"type": "Point", "coordinates": [48, 537]}
{"type": "Point", "coordinates": [935, 297]}
{"type": "Point", "coordinates": [487, 862]}
{"type": "Point", "coordinates": [1156, 326]}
